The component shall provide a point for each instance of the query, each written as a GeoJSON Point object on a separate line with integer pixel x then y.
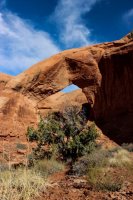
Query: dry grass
{"type": "Point", "coordinates": [120, 158]}
{"type": "Point", "coordinates": [103, 167]}
{"type": "Point", "coordinates": [26, 183]}
{"type": "Point", "coordinates": [101, 179]}
{"type": "Point", "coordinates": [47, 167]}
{"type": "Point", "coordinates": [21, 184]}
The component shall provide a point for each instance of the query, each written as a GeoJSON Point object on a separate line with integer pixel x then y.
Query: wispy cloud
{"type": "Point", "coordinates": [69, 17]}
{"type": "Point", "coordinates": [128, 17]}
{"type": "Point", "coordinates": [21, 45]}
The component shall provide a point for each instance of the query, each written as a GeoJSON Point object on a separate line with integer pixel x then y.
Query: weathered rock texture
{"type": "Point", "coordinates": [104, 72]}
{"type": "Point", "coordinates": [59, 101]}
{"type": "Point", "coordinates": [4, 78]}
{"type": "Point", "coordinates": [18, 111]}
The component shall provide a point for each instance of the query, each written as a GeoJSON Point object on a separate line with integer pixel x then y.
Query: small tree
{"type": "Point", "coordinates": [65, 133]}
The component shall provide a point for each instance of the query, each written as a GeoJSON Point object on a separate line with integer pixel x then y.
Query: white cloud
{"type": "Point", "coordinates": [21, 45]}
{"type": "Point", "coordinates": [68, 15]}
{"type": "Point", "coordinates": [128, 17]}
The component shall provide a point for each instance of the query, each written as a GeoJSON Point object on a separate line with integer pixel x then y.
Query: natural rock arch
{"type": "Point", "coordinates": [104, 72]}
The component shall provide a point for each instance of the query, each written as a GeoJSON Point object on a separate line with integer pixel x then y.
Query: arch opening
{"type": "Point", "coordinates": [70, 88]}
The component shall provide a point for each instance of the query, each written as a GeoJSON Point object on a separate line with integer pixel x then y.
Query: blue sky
{"type": "Point", "coordinates": [32, 30]}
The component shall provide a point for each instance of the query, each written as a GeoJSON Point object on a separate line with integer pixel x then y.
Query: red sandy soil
{"type": "Point", "coordinates": [66, 187]}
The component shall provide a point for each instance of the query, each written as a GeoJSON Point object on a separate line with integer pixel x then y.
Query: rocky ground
{"type": "Point", "coordinates": [67, 187]}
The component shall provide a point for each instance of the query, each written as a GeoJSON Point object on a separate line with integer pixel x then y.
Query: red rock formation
{"type": "Point", "coordinates": [18, 111]}
{"type": "Point", "coordinates": [4, 78]}
{"type": "Point", "coordinates": [103, 71]}
{"type": "Point", "coordinates": [60, 100]}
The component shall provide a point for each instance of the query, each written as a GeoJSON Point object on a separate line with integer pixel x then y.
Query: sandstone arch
{"type": "Point", "coordinates": [104, 72]}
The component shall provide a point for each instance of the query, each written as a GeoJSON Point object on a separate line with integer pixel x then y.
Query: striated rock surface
{"type": "Point", "coordinates": [104, 72]}
{"type": "Point", "coordinates": [60, 100]}
{"type": "Point", "coordinates": [18, 111]}
{"type": "Point", "coordinates": [4, 78]}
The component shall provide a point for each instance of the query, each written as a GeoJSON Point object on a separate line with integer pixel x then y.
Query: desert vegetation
{"type": "Point", "coordinates": [21, 184]}
{"type": "Point", "coordinates": [26, 183]}
{"type": "Point", "coordinates": [105, 169]}
{"type": "Point", "coordinates": [63, 135]}
{"type": "Point", "coordinates": [64, 140]}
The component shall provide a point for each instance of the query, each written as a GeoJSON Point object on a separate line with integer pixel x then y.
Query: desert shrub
{"type": "Point", "coordinates": [109, 183]}
{"type": "Point", "coordinates": [101, 158]}
{"type": "Point", "coordinates": [95, 176]}
{"type": "Point", "coordinates": [47, 167]}
{"type": "Point", "coordinates": [99, 174]}
{"type": "Point", "coordinates": [21, 146]}
{"type": "Point", "coordinates": [31, 134]}
{"type": "Point", "coordinates": [100, 168]}
{"type": "Point", "coordinates": [98, 158]}
{"type": "Point", "coordinates": [67, 132]}
{"type": "Point", "coordinates": [120, 158]}
{"type": "Point", "coordinates": [128, 146]}
{"type": "Point", "coordinates": [101, 178]}
{"type": "Point", "coordinates": [20, 184]}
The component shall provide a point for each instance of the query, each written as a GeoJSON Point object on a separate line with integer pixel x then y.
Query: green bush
{"type": "Point", "coordinates": [67, 132]}
{"type": "Point", "coordinates": [31, 134]}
